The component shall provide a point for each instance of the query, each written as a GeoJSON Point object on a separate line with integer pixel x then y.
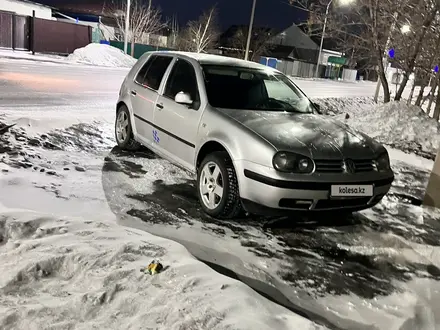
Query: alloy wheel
{"type": "Point", "coordinates": [211, 185]}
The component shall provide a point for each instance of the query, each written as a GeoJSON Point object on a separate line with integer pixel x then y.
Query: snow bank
{"type": "Point", "coordinates": [397, 124]}
{"type": "Point", "coordinates": [101, 55]}
{"type": "Point", "coordinates": [76, 274]}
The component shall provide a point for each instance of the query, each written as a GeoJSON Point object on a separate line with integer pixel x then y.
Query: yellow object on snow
{"type": "Point", "coordinates": [153, 268]}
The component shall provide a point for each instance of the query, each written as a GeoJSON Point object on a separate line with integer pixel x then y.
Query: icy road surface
{"type": "Point", "coordinates": [378, 269]}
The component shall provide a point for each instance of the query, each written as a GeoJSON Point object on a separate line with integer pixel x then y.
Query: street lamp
{"type": "Point", "coordinates": [341, 2]}
{"type": "Point", "coordinates": [406, 28]}
{"type": "Point", "coordinates": [248, 42]}
{"type": "Point", "coordinates": [127, 27]}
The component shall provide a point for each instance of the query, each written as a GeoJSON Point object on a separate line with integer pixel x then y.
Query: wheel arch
{"type": "Point", "coordinates": [119, 105]}
{"type": "Point", "coordinates": [209, 147]}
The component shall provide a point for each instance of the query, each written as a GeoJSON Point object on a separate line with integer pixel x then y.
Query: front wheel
{"type": "Point", "coordinates": [217, 186]}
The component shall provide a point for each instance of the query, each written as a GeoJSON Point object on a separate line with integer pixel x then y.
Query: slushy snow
{"type": "Point", "coordinates": [71, 273]}
{"type": "Point", "coordinates": [101, 55]}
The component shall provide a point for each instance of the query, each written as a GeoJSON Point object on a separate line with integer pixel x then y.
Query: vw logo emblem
{"type": "Point", "coordinates": [350, 166]}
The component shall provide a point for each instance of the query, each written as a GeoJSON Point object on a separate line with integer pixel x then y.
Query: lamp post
{"type": "Point", "coordinates": [251, 23]}
{"type": "Point", "coordinates": [127, 27]}
{"type": "Point", "coordinates": [343, 2]}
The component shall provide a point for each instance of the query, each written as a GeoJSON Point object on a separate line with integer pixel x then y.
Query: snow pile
{"type": "Point", "coordinates": [398, 125]}
{"type": "Point", "coordinates": [337, 105]}
{"type": "Point", "coordinates": [77, 274]}
{"type": "Point", "coordinates": [101, 55]}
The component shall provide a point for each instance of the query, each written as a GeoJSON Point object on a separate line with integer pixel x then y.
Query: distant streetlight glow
{"type": "Point", "coordinates": [340, 2]}
{"type": "Point", "coordinates": [345, 2]}
{"type": "Point", "coordinates": [405, 28]}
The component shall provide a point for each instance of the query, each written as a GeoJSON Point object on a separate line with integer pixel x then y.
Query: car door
{"type": "Point", "coordinates": [144, 95]}
{"type": "Point", "coordinates": [179, 121]}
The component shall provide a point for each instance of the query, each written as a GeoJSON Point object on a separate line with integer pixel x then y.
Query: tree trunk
{"type": "Point", "coordinates": [412, 59]}
{"type": "Point", "coordinates": [436, 115]}
{"type": "Point", "coordinates": [431, 98]}
{"type": "Point", "coordinates": [421, 93]}
{"type": "Point", "coordinates": [411, 94]}
{"type": "Point", "coordinates": [432, 92]}
{"type": "Point", "coordinates": [385, 86]}
{"type": "Point", "coordinates": [402, 86]}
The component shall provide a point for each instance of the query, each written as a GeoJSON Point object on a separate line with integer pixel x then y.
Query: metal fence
{"type": "Point", "coordinates": [41, 35]}
{"type": "Point", "coordinates": [59, 37]}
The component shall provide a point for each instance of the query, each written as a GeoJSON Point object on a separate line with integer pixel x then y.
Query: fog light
{"type": "Point", "coordinates": [303, 164]}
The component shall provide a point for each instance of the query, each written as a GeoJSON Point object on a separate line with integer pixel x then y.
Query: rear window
{"type": "Point", "coordinates": [151, 74]}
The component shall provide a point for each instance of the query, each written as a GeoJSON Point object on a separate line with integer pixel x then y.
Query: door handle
{"type": "Point", "coordinates": [159, 105]}
{"type": "Point", "coordinates": [133, 93]}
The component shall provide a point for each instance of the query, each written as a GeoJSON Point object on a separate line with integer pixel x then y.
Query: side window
{"type": "Point", "coordinates": [152, 72]}
{"type": "Point", "coordinates": [140, 78]}
{"type": "Point", "coordinates": [183, 79]}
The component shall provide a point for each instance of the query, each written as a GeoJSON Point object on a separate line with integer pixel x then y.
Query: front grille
{"type": "Point", "coordinates": [329, 166]}
{"type": "Point", "coordinates": [337, 166]}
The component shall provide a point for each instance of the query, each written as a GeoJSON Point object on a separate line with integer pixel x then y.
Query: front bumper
{"type": "Point", "coordinates": [269, 189]}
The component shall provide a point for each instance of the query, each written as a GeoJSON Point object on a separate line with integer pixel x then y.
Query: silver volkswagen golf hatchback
{"type": "Point", "coordinates": [254, 139]}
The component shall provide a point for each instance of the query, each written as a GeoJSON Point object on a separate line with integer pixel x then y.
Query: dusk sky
{"type": "Point", "coordinates": [271, 13]}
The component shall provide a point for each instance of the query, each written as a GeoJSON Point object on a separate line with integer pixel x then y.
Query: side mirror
{"type": "Point", "coordinates": [183, 98]}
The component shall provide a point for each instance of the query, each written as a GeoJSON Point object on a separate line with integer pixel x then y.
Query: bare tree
{"type": "Point", "coordinates": [202, 34]}
{"type": "Point", "coordinates": [412, 43]}
{"type": "Point", "coordinates": [259, 42]}
{"type": "Point", "coordinates": [144, 20]}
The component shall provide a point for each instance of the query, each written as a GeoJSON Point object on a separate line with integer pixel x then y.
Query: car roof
{"type": "Point", "coordinates": [212, 59]}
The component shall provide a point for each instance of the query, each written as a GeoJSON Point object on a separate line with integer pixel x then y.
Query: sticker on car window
{"type": "Point", "coordinates": [156, 136]}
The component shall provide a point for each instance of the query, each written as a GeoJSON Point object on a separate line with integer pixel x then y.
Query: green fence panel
{"type": "Point", "coordinates": [139, 49]}
{"type": "Point", "coordinates": [96, 35]}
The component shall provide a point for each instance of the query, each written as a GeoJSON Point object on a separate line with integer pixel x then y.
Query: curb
{"type": "Point", "coordinates": [32, 59]}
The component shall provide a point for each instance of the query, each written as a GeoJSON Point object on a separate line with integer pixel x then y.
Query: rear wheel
{"type": "Point", "coordinates": [123, 130]}
{"type": "Point", "coordinates": [217, 186]}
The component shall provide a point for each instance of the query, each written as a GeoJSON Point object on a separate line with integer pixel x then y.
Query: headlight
{"type": "Point", "coordinates": [290, 162]}
{"type": "Point", "coordinates": [383, 162]}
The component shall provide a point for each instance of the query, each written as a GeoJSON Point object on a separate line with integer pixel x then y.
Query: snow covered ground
{"type": "Point", "coordinates": [93, 54]}
{"type": "Point", "coordinates": [72, 273]}
{"type": "Point", "coordinates": [379, 269]}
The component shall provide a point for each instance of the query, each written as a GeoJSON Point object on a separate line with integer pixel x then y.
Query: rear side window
{"type": "Point", "coordinates": [152, 72]}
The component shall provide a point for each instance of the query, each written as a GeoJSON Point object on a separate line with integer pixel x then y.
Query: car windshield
{"type": "Point", "coordinates": [253, 89]}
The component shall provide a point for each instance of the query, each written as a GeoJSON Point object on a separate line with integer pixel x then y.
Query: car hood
{"type": "Point", "coordinates": [312, 135]}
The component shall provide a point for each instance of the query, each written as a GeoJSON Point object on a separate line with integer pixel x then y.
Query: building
{"type": "Point", "coordinates": [26, 8]}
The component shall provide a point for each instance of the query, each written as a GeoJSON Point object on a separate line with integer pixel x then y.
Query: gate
{"type": "Point", "coordinates": [6, 30]}
{"type": "Point", "coordinates": [21, 28]}
{"type": "Point", "coordinates": [14, 31]}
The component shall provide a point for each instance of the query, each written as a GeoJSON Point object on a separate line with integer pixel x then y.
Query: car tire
{"type": "Point", "coordinates": [228, 206]}
{"type": "Point", "coordinates": [125, 141]}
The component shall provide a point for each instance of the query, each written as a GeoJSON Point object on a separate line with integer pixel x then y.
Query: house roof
{"type": "Point", "coordinates": [34, 3]}
{"type": "Point", "coordinates": [84, 9]}
{"type": "Point", "coordinates": [229, 34]}
{"type": "Point", "coordinates": [290, 52]}
{"type": "Point", "coordinates": [293, 36]}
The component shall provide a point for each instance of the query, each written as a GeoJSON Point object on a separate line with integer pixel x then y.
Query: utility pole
{"type": "Point", "coordinates": [248, 42]}
{"type": "Point", "coordinates": [127, 27]}
{"type": "Point", "coordinates": [322, 38]}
